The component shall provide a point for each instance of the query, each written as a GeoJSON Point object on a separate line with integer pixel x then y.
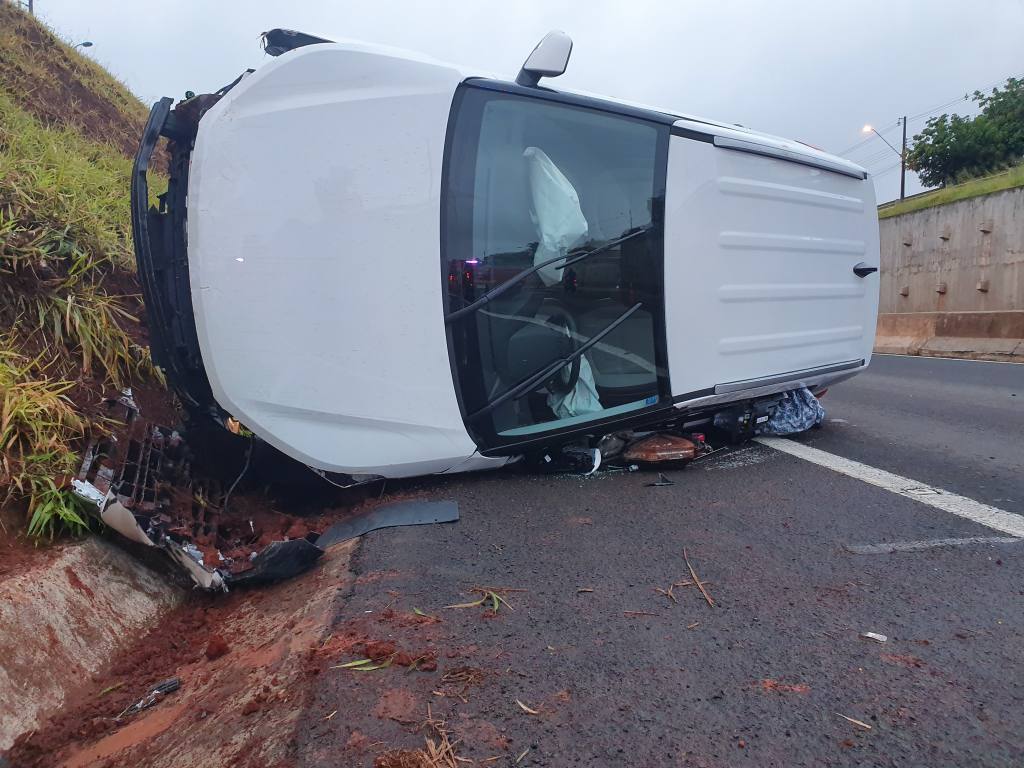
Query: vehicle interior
{"type": "Point", "coordinates": [553, 181]}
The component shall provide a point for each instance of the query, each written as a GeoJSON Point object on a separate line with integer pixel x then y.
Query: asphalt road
{"type": "Point", "coordinates": [615, 673]}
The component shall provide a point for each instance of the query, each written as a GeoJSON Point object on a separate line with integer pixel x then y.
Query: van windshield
{"type": "Point", "coordinates": [552, 257]}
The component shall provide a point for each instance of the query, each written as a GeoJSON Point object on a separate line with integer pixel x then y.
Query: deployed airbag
{"type": "Point", "coordinates": [556, 212]}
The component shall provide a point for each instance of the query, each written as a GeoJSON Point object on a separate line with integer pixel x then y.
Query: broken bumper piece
{"type": "Point", "coordinates": [138, 483]}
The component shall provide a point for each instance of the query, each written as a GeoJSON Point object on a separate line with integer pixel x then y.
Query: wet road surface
{"type": "Point", "coordinates": [620, 675]}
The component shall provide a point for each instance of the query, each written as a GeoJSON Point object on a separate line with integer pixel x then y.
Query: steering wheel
{"type": "Point", "coordinates": [564, 380]}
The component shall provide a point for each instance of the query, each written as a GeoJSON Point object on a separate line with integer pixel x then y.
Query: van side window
{"type": "Point", "coordinates": [574, 197]}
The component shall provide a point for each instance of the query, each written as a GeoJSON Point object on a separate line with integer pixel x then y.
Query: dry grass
{"type": "Point", "coordinates": [38, 424]}
{"type": "Point", "coordinates": [61, 87]}
{"type": "Point", "coordinates": [438, 750]}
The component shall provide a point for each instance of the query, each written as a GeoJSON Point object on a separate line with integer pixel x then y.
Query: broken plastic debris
{"type": "Point", "coordinates": [874, 636]}
{"type": "Point", "coordinates": [156, 693]}
{"type": "Point", "coordinates": [661, 481]}
{"type": "Point", "coordinates": [387, 516]}
{"type": "Point", "coordinates": [660, 447]}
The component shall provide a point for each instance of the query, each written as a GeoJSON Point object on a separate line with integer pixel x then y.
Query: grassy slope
{"type": "Point", "coordinates": [69, 305]}
{"type": "Point", "coordinates": [1014, 177]}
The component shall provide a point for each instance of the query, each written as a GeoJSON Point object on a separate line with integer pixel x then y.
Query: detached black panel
{"type": "Point", "coordinates": [278, 41]}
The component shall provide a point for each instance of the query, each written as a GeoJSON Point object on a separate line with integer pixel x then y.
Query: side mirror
{"type": "Point", "coordinates": [549, 59]}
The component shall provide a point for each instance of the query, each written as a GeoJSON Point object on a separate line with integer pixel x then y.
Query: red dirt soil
{"type": "Point", "coordinates": [237, 655]}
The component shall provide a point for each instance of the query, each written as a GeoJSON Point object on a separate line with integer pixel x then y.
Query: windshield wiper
{"type": "Point", "coordinates": [500, 289]}
{"type": "Point", "coordinates": [531, 381]}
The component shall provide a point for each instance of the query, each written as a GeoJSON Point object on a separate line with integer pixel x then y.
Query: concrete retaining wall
{"type": "Point", "coordinates": [974, 335]}
{"type": "Point", "coordinates": [63, 621]}
{"type": "Point", "coordinates": [952, 279]}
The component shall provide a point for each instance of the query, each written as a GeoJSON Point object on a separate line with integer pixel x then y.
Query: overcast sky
{"type": "Point", "coordinates": [815, 71]}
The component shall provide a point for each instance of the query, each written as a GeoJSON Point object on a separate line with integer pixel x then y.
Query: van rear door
{"type": "Point", "coordinates": [762, 238]}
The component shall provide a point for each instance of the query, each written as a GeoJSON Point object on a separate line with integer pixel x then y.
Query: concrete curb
{"type": "Point", "coordinates": [64, 620]}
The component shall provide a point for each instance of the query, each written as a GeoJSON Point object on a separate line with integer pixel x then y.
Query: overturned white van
{"type": "Point", "coordinates": [384, 265]}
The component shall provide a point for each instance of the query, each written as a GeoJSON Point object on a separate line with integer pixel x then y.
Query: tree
{"type": "Point", "coordinates": [952, 148]}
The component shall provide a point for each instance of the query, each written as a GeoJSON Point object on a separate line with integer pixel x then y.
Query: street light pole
{"type": "Point", "coordinates": [903, 154]}
{"type": "Point", "coordinates": [903, 161]}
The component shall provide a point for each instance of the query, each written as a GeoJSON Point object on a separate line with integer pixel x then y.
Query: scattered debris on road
{"type": "Point", "coordinates": [774, 686]}
{"type": "Point", "coordinates": [526, 709]}
{"type": "Point", "coordinates": [858, 723]}
{"type": "Point", "coordinates": [493, 595]}
{"type": "Point", "coordinates": [139, 482]}
{"type": "Point", "coordinates": [696, 581]}
{"type": "Point", "coordinates": [390, 516]}
{"type": "Point", "coordinates": [669, 592]}
{"type": "Point", "coordinates": [874, 636]}
{"type": "Point", "coordinates": [661, 481]}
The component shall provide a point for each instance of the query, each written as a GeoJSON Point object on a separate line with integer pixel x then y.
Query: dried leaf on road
{"type": "Point", "coordinates": [351, 664]}
{"type": "Point", "coordinates": [667, 593]}
{"type": "Point", "coordinates": [774, 686]}
{"type": "Point", "coordinates": [697, 581]}
{"type": "Point", "coordinates": [526, 709]}
{"type": "Point", "coordinates": [858, 723]}
{"type": "Point", "coordinates": [492, 594]}
{"type": "Point", "coordinates": [365, 665]}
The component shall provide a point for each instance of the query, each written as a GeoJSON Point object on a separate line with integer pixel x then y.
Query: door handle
{"type": "Point", "coordinates": [863, 270]}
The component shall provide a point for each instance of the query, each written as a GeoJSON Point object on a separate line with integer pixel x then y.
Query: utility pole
{"type": "Point", "coordinates": [31, 11]}
{"type": "Point", "coordinates": [903, 161]}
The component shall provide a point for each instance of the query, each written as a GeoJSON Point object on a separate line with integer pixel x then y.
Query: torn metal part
{"type": "Point", "coordinates": [389, 516]}
{"type": "Point", "coordinates": [86, 490]}
{"type": "Point", "coordinates": [611, 445]}
{"type": "Point", "coordinates": [156, 693]}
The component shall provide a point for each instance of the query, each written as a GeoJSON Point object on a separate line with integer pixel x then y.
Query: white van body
{"type": "Point", "coordinates": [316, 226]}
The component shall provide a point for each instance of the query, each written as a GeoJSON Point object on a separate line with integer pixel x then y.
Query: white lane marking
{"type": "Point", "coordinates": [993, 517]}
{"type": "Point", "coordinates": [919, 546]}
